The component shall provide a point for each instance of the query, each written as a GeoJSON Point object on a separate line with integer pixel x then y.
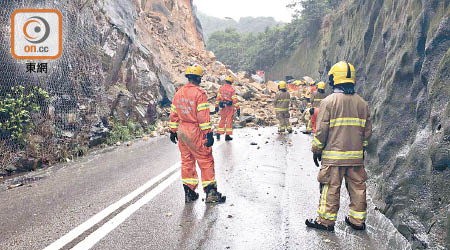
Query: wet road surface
{"type": "Point", "coordinates": [271, 189]}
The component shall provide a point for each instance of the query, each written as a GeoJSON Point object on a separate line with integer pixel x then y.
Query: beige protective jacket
{"type": "Point", "coordinates": [343, 128]}
{"type": "Point", "coordinates": [282, 101]}
{"type": "Point", "coordinates": [316, 98]}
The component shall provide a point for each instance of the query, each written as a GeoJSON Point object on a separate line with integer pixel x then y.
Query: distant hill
{"type": "Point", "coordinates": [244, 25]}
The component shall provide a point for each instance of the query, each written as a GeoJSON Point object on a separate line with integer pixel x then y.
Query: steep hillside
{"type": "Point", "coordinates": [212, 24]}
{"type": "Point", "coordinates": [120, 61]}
{"type": "Point", "coordinates": [401, 49]}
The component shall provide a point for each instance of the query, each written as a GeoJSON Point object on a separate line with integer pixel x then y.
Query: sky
{"type": "Point", "coordinates": [242, 8]}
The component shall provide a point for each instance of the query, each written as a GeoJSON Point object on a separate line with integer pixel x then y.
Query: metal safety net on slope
{"type": "Point", "coordinates": [71, 93]}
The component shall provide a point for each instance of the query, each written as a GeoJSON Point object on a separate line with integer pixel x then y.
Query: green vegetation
{"type": "Point", "coordinates": [244, 25]}
{"type": "Point", "coordinates": [262, 50]}
{"type": "Point", "coordinates": [125, 131]}
{"type": "Point", "coordinates": [16, 107]}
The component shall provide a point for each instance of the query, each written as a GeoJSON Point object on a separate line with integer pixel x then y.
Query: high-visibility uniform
{"type": "Point", "coordinates": [343, 128]}
{"type": "Point", "coordinates": [227, 94]}
{"type": "Point", "coordinates": [189, 117]}
{"type": "Point", "coordinates": [316, 98]}
{"type": "Point", "coordinates": [314, 119]}
{"type": "Point", "coordinates": [281, 103]}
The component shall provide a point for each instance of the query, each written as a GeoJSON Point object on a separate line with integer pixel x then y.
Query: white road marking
{"type": "Point", "coordinates": [74, 233]}
{"type": "Point", "coordinates": [79, 230]}
{"type": "Point", "coordinates": [101, 232]}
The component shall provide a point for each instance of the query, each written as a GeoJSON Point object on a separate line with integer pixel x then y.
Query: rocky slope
{"type": "Point", "coordinates": [401, 49]}
{"type": "Point", "coordinates": [121, 61]}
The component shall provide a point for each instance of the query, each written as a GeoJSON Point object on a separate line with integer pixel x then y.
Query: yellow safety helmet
{"type": "Point", "coordinates": [195, 70]}
{"type": "Point", "coordinates": [321, 85]}
{"type": "Point", "coordinates": [282, 85]}
{"type": "Point", "coordinates": [312, 83]}
{"type": "Point", "coordinates": [342, 72]}
{"type": "Point", "coordinates": [297, 83]}
{"type": "Point", "coordinates": [229, 79]}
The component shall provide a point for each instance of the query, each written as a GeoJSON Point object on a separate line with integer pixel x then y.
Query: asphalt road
{"type": "Point", "coordinates": [132, 198]}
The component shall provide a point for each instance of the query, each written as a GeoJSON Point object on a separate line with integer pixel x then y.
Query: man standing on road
{"type": "Point", "coordinates": [343, 128]}
{"type": "Point", "coordinates": [190, 125]}
{"type": "Point", "coordinates": [228, 102]}
{"type": "Point", "coordinates": [282, 102]}
{"type": "Point", "coordinates": [316, 98]}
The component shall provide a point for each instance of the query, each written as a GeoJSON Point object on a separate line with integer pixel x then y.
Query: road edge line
{"type": "Point", "coordinates": [80, 229]}
{"type": "Point", "coordinates": [110, 225]}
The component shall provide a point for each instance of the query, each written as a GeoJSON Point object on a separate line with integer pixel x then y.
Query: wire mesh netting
{"type": "Point", "coordinates": [74, 83]}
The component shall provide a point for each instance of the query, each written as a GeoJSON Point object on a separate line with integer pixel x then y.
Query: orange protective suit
{"type": "Point", "coordinates": [313, 120]}
{"type": "Point", "coordinates": [189, 117]}
{"type": "Point", "coordinates": [226, 94]}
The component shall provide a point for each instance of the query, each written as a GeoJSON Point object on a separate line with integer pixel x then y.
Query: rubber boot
{"type": "Point", "coordinates": [218, 136]}
{"type": "Point", "coordinates": [290, 131]}
{"type": "Point", "coordinates": [228, 138]}
{"type": "Point", "coordinates": [212, 195]}
{"type": "Point", "coordinates": [189, 194]}
{"type": "Point", "coordinates": [362, 227]}
{"type": "Point", "coordinates": [314, 224]}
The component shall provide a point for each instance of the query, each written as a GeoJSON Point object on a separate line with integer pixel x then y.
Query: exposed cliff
{"type": "Point", "coordinates": [401, 49]}
{"type": "Point", "coordinates": [120, 60]}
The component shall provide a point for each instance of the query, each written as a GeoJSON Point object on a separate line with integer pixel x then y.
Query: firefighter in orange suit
{"type": "Point", "coordinates": [228, 103]}
{"type": "Point", "coordinates": [343, 128]}
{"type": "Point", "coordinates": [316, 98]}
{"type": "Point", "coordinates": [190, 125]}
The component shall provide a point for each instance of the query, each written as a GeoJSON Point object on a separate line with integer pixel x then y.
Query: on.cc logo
{"type": "Point", "coordinates": [39, 26]}
{"type": "Point", "coordinates": [36, 34]}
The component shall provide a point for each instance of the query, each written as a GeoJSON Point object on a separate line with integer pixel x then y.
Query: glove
{"type": "Point", "coordinates": [216, 110]}
{"type": "Point", "coordinates": [239, 112]}
{"type": "Point", "coordinates": [311, 111]}
{"type": "Point", "coordinates": [173, 137]}
{"type": "Point", "coordinates": [229, 103]}
{"type": "Point", "coordinates": [210, 139]}
{"type": "Point", "coordinates": [317, 157]}
{"type": "Point", "coordinates": [221, 105]}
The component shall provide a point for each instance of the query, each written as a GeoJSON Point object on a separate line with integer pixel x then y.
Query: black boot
{"type": "Point", "coordinates": [218, 136]}
{"type": "Point", "coordinates": [189, 194]}
{"type": "Point", "coordinates": [212, 195]}
{"type": "Point", "coordinates": [314, 224]}
{"type": "Point", "coordinates": [228, 138]}
{"type": "Point", "coordinates": [362, 227]}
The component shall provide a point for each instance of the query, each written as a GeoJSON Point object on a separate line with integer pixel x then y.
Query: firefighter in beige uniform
{"type": "Point", "coordinates": [343, 128]}
{"type": "Point", "coordinates": [282, 102]}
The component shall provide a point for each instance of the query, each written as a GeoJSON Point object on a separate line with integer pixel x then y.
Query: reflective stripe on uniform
{"type": "Point", "coordinates": [342, 155]}
{"type": "Point", "coordinates": [323, 203]}
{"type": "Point", "coordinates": [192, 181]}
{"type": "Point", "coordinates": [203, 106]}
{"type": "Point", "coordinates": [284, 100]}
{"type": "Point", "coordinates": [365, 143]}
{"type": "Point", "coordinates": [205, 126]}
{"type": "Point", "coordinates": [357, 215]}
{"type": "Point", "coordinates": [229, 130]}
{"type": "Point", "coordinates": [348, 121]}
{"type": "Point", "coordinates": [173, 124]}
{"type": "Point", "coordinates": [173, 108]}
{"type": "Point", "coordinates": [281, 109]}
{"type": "Point", "coordinates": [317, 143]}
{"type": "Point", "coordinates": [234, 97]}
{"type": "Point", "coordinates": [206, 183]}
{"type": "Point", "coordinates": [318, 99]}
{"type": "Point", "coordinates": [221, 129]}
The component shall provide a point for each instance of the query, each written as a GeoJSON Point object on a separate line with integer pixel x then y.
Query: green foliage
{"type": "Point", "coordinates": [253, 51]}
{"type": "Point", "coordinates": [121, 131]}
{"type": "Point", "coordinates": [16, 107]}
{"type": "Point", "coordinates": [244, 25]}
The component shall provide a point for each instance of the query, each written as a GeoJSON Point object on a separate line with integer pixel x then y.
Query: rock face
{"type": "Point", "coordinates": [401, 50]}
{"type": "Point", "coordinates": [121, 59]}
